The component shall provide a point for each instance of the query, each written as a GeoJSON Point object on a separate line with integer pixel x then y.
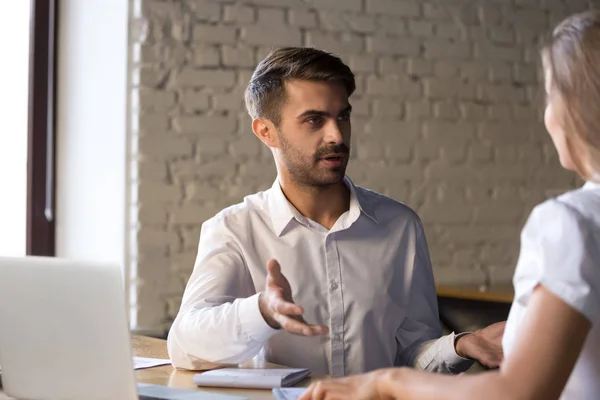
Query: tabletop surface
{"type": "Point", "coordinates": [501, 293]}
{"type": "Point", "coordinates": [143, 346]}
{"type": "Point", "coordinates": [168, 376]}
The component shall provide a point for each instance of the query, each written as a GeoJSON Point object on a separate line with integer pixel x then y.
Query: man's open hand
{"type": "Point", "coordinates": [277, 306]}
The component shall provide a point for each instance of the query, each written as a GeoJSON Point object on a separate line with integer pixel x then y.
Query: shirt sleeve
{"type": "Point", "coordinates": [219, 320]}
{"type": "Point", "coordinates": [419, 341]}
{"type": "Point", "coordinates": [559, 250]}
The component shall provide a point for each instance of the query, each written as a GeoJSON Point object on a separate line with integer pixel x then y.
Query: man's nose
{"type": "Point", "coordinates": [333, 133]}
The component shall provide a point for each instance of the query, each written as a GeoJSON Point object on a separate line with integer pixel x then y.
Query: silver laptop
{"type": "Point", "coordinates": [64, 333]}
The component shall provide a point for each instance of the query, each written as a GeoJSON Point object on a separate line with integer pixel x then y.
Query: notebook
{"type": "Point", "coordinates": [288, 393]}
{"type": "Point", "coordinates": [251, 378]}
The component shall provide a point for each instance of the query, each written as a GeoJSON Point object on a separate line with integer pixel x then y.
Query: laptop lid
{"type": "Point", "coordinates": [63, 330]}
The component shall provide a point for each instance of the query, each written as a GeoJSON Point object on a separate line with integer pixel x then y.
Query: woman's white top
{"type": "Point", "coordinates": [560, 249]}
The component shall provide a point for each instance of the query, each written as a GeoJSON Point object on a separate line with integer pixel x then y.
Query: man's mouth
{"type": "Point", "coordinates": [333, 157]}
{"type": "Point", "coordinates": [333, 160]}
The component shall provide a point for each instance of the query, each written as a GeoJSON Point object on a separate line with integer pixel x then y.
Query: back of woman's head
{"type": "Point", "coordinates": [572, 64]}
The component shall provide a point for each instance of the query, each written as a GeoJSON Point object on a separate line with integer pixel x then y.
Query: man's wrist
{"type": "Point", "coordinates": [252, 322]}
{"type": "Point", "coordinates": [458, 344]}
{"type": "Point", "coordinates": [262, 307]}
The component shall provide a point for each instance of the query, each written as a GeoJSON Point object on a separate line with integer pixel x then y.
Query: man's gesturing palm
{"type": "Point", "coordinates": [277, 306]}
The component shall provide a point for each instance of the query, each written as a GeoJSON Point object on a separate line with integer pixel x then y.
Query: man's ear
{"type": "Point", "coordinates": [265, 130]}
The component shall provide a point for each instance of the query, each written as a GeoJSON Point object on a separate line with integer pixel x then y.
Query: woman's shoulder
{"type": "Point", "coordinates": [585, 201]}
{"type": "Point", "coordinates": [560, 249]}
{"type": "Point", "coordinates": [563, 223]}
{"type": "Point", "coordinates": [581, 206]}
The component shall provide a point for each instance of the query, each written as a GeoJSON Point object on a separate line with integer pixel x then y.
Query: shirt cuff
{"type": "Point", "coordinates": [449, 354]}
{"type": "Point", "coordinates": [252, 322]}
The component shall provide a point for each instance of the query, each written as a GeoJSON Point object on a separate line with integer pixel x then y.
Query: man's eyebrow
{"type": "Point", "coordinates": [313, 113]}
{"type": "Point", "coordinates": [320, 113]}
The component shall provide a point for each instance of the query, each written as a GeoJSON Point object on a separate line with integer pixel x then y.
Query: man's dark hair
{"type": "Point", "coordinates": [265, 93]}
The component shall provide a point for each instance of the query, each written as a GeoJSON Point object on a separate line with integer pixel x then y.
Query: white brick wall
{"type": "Point", "coordinates": [447, 119]}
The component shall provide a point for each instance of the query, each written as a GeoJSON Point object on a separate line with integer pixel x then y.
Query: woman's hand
{"type": "Point", "coordinates": [358, 387]}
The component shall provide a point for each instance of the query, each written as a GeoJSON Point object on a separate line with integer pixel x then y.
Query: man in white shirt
{"type": "Point", "coordinates": [315, 272]}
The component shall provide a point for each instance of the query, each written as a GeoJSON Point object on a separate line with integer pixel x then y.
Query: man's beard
{"type": "Point", "coordinates": [306, 171]}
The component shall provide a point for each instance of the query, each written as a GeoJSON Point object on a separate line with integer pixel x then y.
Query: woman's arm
{"type": "Point", "coordinates": [551, 338]}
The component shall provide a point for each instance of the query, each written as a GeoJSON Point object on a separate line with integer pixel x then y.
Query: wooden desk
{"type": "Point", "coordinates": [168, 376]}
{"type": "Point", "coordinates": [499, 293]}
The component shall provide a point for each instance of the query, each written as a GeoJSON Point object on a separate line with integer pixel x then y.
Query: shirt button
{"type": "Point", "coordinates": [337, 336]}
{"type": "Point", "coordinates": [334, 286]}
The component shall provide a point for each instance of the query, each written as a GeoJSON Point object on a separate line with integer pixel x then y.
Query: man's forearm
{"type": "Point", "coordinates": [229, 333]}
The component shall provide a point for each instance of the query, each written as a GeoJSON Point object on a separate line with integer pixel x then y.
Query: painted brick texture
{"type": "Point", "coordinates": [448, 119]}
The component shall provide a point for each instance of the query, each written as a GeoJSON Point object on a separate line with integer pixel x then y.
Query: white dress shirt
{"type": "Point", "coordinates": [369, 279]}
{"type": "Point", "coordinates": [560, 249]}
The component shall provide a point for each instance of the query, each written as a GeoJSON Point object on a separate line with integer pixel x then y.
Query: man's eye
{"type": "Point", "coordinates": [315, 120]}
{"type": "Point", "coordinates": [344, 117]}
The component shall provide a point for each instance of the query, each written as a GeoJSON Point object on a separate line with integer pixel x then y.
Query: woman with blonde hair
{"type": "Point", "coordinates": [552, 337]}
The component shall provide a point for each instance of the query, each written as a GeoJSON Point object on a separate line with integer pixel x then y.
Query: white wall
{"type": "Point", "coordinates": [14, 41]}
{"type": "Point", "coordinates": [92, 130]}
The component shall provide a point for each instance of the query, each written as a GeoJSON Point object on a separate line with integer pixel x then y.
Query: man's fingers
{"type": "Point", "coordinates": [491, 360]}
{"type": "Point", "coordinates": [278, 304]}
{"type": "Point", "coordinates": [285, 307]}
{"type": "Point", "coordinates": [293, 326]}
{"type": "Point", "coordinates": [273, 268]}
{"type": "Point", "coordinates": [287, 314]}
{"type": "Point", "coordinates": [275, 279]}
{"type": "Point", "coordinates": [496, 361]}
{"type": "Point", "coordinates": [319, 329]}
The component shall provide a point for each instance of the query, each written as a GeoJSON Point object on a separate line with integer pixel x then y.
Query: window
{"type": "Point", "coordinates": [41, 174]}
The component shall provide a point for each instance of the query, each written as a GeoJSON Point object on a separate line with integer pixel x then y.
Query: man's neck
{"type": "Point", "coordinates": [324, 205]}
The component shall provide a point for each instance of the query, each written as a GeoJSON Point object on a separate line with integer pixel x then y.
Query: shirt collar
{"type": "Point", "coordinates": [282, 211]}
{"type": "Point", "coordinates": [359, 202]}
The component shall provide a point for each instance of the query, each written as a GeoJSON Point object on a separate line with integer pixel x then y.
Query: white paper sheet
{"type": "Point", "coordinates": [288, 393]}
{"type": "Point", "coordinates": [144, 362]}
